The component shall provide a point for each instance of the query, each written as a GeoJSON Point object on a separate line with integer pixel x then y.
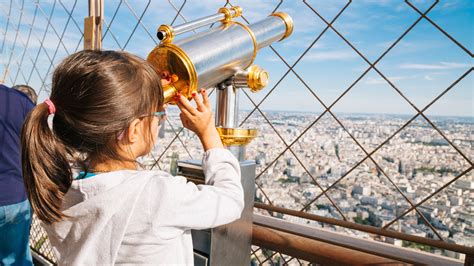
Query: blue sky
{"type": "Point", "coordinates": [421, 65]}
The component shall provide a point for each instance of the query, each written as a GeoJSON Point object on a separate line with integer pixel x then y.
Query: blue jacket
{"type": "Point", "coordinates": [14, 107]}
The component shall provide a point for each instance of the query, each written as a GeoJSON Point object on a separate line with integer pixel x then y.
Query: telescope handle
{"type": "Point", "coordinates": [254, 78]}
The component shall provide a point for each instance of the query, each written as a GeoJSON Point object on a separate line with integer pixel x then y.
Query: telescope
{"type": "Point", "coordinates": [221, 57]}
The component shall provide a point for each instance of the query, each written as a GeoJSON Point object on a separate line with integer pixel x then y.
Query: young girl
{"type": "Point", "coordinates": [107, 109]}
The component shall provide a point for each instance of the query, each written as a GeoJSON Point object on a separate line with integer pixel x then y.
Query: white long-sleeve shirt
{"type": "Point", "coordinates": [145, 217]}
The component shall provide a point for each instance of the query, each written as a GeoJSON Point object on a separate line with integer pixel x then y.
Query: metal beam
{"type": "Point", "coordinates": [93, 25]}
{"type": "Point", "coordinates": [369, 229]}
{"type": "Point", "coordinates": [296, 232]}
{"type": "Point", "coordinates": [313, 250]}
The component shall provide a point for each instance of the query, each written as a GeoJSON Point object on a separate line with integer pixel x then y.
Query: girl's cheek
{"type": "Point", "coordinates": [155, 129]}
{"type": "Point", "coordinates": [155, 133]}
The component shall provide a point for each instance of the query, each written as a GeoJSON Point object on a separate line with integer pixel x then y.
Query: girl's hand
{"type": "Point", "coordinates": [199, 120]}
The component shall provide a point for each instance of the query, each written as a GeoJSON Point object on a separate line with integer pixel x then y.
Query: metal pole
{"type": "Point", "coordinates": [369, 229]}
{"type": "Point", "coordinates": [227, 106]}
{"type": "Point", "coordinates": [166, 33]}
{"type": "Point", "coordinates": [295, 230]}
{"type": "Point", "coordinates": [227, 113]}
{"type": "Point", "coordinates": [93, 25]}
{"type": "Point", "coordinates": [314, 250]}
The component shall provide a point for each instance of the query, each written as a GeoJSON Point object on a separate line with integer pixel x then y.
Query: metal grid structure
{"type": "Point", "coordinates": [34, 41]}
{"type": "Point", "coordinates": [262, 256]}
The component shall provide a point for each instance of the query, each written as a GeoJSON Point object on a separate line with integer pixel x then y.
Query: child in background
{"type": "Point", "coordinates": [107, 109]}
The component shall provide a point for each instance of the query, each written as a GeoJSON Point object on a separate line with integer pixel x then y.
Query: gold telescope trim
{"type": "Point", "coordinates": [227, 14]}
{"type": "Point", "coordinates": [257, 78]}
{"type": "Point", "coordinates": [288, 23]}
{"type": "Point", "coordinates": [169, 91]}
{"type": "Point", "coordinates": [171, 58]}
{"type": "Point", "coordinates": [168, 30]}
{"type": "Point", "coordinates": [236, 136]}
{"type": "Point", "coordinates": [254, 40]}
{"type": "Point", "coordinates": [237, 11]}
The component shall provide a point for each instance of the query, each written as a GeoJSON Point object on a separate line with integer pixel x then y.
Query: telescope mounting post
{"type": "Point", "coordinates": [227, 108]}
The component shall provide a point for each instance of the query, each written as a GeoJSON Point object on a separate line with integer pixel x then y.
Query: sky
{"type": "Point", "coordinates": [421, 66]}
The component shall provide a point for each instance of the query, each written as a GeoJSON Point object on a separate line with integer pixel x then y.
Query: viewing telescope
{"type": "Point", "coordinates": [220, 57]}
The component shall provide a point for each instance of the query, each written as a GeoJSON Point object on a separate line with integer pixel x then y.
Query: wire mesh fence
{"type": "Point", "coordinates": [262, 256]}
{"type": "Point", "coordinates": [351, 125]}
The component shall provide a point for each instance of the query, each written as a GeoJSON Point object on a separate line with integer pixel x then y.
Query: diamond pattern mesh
{"type": "Point", "coordinates": [289, 150]}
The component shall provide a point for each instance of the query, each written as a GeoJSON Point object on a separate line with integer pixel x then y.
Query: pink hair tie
{"type": "Point", "coordinates": [51, 107]}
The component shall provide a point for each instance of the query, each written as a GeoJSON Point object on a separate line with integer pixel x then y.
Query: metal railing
{"type": "Point", "coordinates": [37, 35]}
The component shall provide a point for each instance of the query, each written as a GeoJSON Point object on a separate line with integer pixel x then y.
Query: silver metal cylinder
{"type": "Point", "coordinates": [219, 53]}
{"type": "Point", "coordinates": [192, 25]}
{"type": "Point", "coordinates": [235, 50]}
{"type": "Point", "coordinates": [208, 58]}
{"type": "Point", "coordinates": [166, 32]}
{"type": "Point", "coordinates": [238, 151]}
{"type": "Point", "coordinates": [240, 79]}
{"type": "Point", "coordinates": [227, 106]}
{"type": "Point", "coordinates": [268, 31]}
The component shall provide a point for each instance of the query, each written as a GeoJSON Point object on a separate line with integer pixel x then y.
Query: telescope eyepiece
{"type": "Point", "coordinates": [160, 35]}
{"type": "Point", "coordinates": [165, 33]}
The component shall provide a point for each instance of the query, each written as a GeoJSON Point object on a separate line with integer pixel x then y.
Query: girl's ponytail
{"type": "Point", "coordinates": [98, 94]}
{"type": "Point", "coordinates": [45, 162]}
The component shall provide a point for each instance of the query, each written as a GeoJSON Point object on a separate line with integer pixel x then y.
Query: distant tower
{"type": "Point", "coordinates": [401, 168]}
{"type": "Point", "coordinates": [290, 162]}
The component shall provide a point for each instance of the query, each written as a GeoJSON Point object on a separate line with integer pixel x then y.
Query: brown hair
{"type": "Point", "coordinates": [97, 94]}
{"type": "Point", "coordinates": [28, 91]}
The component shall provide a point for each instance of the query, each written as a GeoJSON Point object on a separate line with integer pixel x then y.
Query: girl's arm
{"type": "Point", "coordinates": [184, 205]}
{"type": "Point", "coordinates": [221, 200]}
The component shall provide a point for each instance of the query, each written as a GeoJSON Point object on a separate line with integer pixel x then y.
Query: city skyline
{"type": "Point", "coordinates": [361, 166]}
{"type": "Point", "coordinates": [417, 160]}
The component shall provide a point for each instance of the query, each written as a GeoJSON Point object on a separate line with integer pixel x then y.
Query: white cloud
{"type": "Point", "coordinates": [331, 55]}
{"type": "Point", "coordinates": [50, 43]}
{"type": "Point", "coordinates": [272, 59]}
{"type": "Point", "coordinates": [379, 2]}
{"type": "Point", "coordinates": [303, 42]}
{"type": "Point", "coordinates": [428, 77]}
{"type": "Point", "coordinates": [440, 65]}
{"type": "Point", "coordinates": [380, 80]}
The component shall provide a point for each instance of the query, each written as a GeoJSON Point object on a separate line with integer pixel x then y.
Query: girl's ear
{"type": "Point", "coordinates": [134, 131]}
